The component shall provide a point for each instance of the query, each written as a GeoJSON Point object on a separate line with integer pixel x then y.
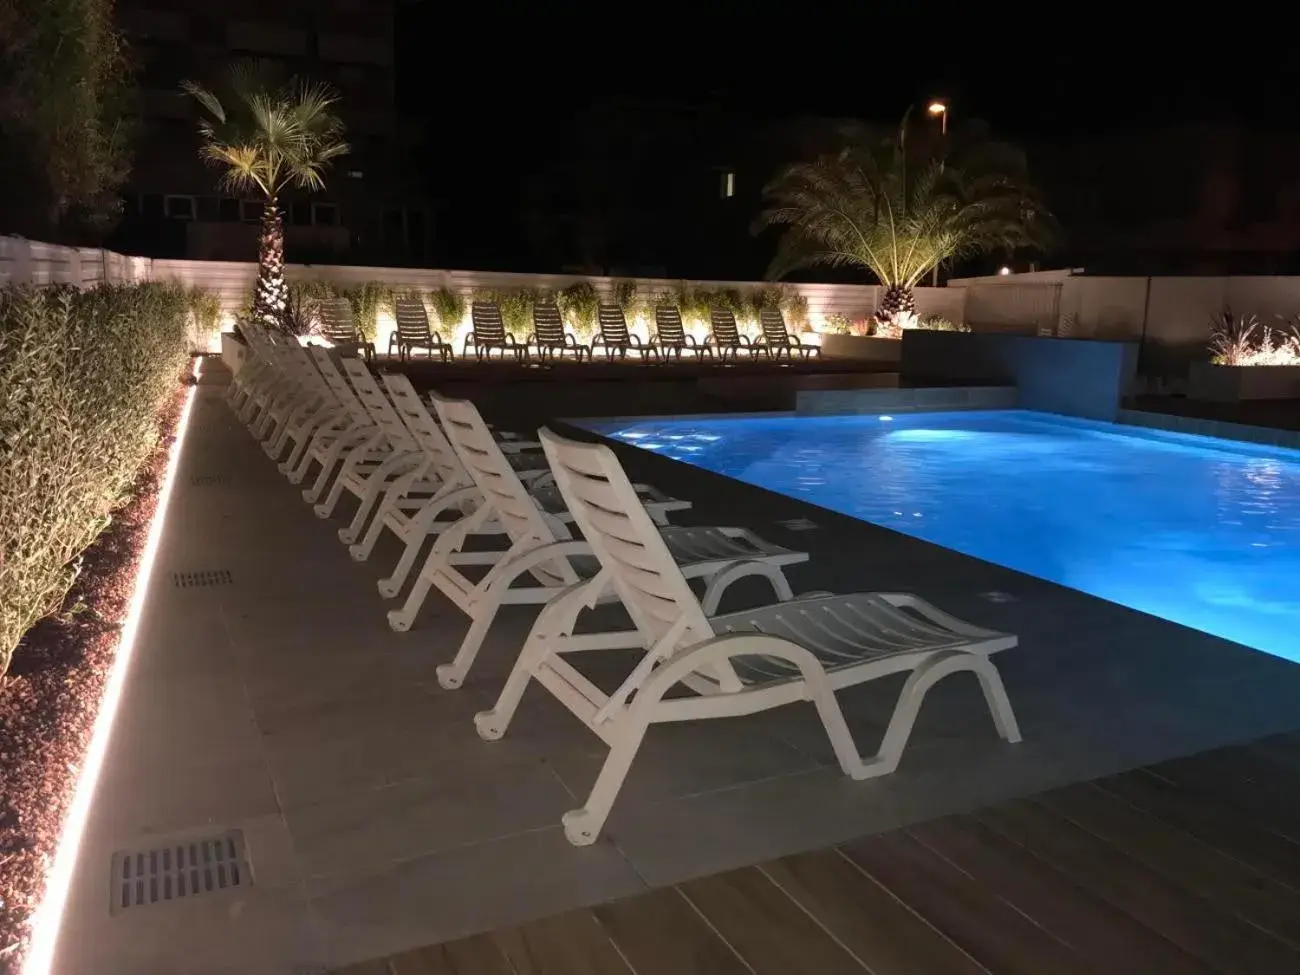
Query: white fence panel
{"type": "Point", "coordinates": [1032, 309]}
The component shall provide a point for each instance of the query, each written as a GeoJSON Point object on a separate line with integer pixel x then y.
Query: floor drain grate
{"type": "Point", "coordinates": [206, 577]}
{"type": "Point", "coordinates": [184, 869]}
{"type": "Point", "coordinates": [208, 480]}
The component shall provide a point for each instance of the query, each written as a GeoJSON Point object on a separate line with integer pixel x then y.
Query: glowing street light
{"type": "Point", "coordinates": [941, 110]}
{"type": "Point", "coordinates": [1004, 270]}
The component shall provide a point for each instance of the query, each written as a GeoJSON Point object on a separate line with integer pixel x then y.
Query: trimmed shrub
{"type": "Point", "coordinates": [367, 301]}
{"type": "Point", "coordinates": [450, 308]}
{"type": "Point", "coordinates": [82, 377]}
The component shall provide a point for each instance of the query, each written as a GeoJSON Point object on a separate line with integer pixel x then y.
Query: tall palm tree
{"type": "Point", "coordinates": [900, 210]}
{"type": "Point", "coordinates": [267, 137]}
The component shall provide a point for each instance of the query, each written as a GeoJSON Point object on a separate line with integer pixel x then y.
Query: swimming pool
{"type": "Point", "coordinates": [1200, 531]}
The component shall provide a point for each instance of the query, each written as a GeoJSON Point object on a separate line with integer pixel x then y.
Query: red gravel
{"type": "Point", "coordinates": [49, 699]}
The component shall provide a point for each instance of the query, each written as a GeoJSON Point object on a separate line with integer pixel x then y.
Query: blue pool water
{"type": "Point", "coordinates": [1200, 531]}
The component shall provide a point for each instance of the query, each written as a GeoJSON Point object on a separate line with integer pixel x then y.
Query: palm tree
{"type": "Point", "coordinates": [882, 205]}
{"type": "Point", "coordinates": [268, 137]}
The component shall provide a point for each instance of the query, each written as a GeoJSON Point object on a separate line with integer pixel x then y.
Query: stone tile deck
{"type": "Point", "coordinates": [277, 702]}
{"type": "Point", "coordinates": [1191, 865]}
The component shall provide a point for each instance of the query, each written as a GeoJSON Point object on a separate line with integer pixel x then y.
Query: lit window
{"type": "Point", "coordinates": [728, 185]}
{"type": "Point", "coordinates": [179, 207]}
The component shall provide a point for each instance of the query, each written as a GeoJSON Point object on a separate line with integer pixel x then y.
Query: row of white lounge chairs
{"type": "Point", "coordinates": [572, 531]}
{"type": "Point", "coordinates": [549, 340]}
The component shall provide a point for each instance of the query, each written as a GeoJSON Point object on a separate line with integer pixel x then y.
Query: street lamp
{"type": "Point", "coordinates": [940, 109]}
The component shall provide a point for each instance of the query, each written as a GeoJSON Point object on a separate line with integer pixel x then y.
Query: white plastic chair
{"type": "Point", "coordinates": [353, 435]}
{"type": "Point", "coordinates": [368, 474]}
{"type": "Point", "coordinates": [544, 558]}
{"type": "Point", "coordinates": [740, 663]}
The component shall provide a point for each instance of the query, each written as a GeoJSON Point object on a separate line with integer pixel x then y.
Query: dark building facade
{"type": "Point", "coordinates": [372, 209]}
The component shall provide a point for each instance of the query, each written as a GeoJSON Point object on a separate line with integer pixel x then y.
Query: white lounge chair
{"type": "Point", "coordinates": [369, 472]}
{"type": "Point", "coordinates": [777, 339]}
{"type": "Point", "coordinates": [739, 663]}
{"type": "Point", "coordinates": [544, 558]}
{"type": "Point", "coordinates": [353, 433]}
{"type": "Point", "coordinates": [303, 392]}
{"type": "Point", "coordinates": [292, 425]}
{"type": "Point", "coordinates": [414, 518]}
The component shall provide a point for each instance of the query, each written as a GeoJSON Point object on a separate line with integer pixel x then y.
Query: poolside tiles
{"type": "Point", "coordinates": [375, 820]}
{"type": "Point", "coordinates": [1185, 867]}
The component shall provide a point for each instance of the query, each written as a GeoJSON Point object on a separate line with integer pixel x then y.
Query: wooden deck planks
{"type": "Point", "coordinates": [1186, 867]}
{"type": "Point", "coordinates": [1097, 930]}
{"type": "Point", "coordinates": [1222, 941]}
{"type": "Point", "coordinates": [766, 928]}
{"type": "Point", "coordinates": [1229, 883]}
{"type": "Point", "coordinates": [971, 915]}
{"type": "Point", "coordinates": [661, 933]}
{"type": "Point", "coordinates": [887, 935]}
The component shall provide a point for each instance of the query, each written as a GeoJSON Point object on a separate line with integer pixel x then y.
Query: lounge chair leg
{"type": "Point", "coordinates": [452, 675]}
{"type": "Point", "coordinates": [582, 826]}
{"type": "Point", "coordinates": [400, 620]}
{"type": "Point", "coordinates": [335, 494]}
{"type": "Point", "coordinates": [718, 584]}
{"type": "Point", "coordinates": [418, 530]}
{"type": "Point", "coordinates": [913, 694]}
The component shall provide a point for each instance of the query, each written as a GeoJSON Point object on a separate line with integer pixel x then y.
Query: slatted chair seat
{"type": "Point", "coordinates": [777, 338]}
{"type": "Point", "coordinates": [413, 331]}
{"type": "Point", "coordinates": [615, 338]}
{"type": "Point", "coordinates": [490, 333]}
{"type": "Point", "coordinates": [549, 336]}
{"type": "Point", "coordinates": [696, 665]}
{"type": "Point", "coordinates": [340, 327]}
{"type": "Point", "coordinates": [671, 336]}
{"type": "Point", "coordinates": [725, 336]}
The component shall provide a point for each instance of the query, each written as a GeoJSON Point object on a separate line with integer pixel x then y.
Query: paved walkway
{"type": "Point", "coordinates": [268, 700]}
{"type": "Point", "coordinates": [1185, 867]}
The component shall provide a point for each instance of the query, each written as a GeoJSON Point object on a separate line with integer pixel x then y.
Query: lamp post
{"type": "Point", "coordinates": [940, 109]}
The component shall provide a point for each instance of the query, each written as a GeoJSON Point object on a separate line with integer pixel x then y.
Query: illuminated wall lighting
{"type": "Point", "coordinates": [49, 916]}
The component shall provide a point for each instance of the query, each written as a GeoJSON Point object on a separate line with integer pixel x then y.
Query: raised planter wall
{"type": "Point", "coordinates": [866, 348]}
{"type": "Point", "coordinates": [1074, 377]}
{"type": "Point", "coordinates": [1232, 384]}
{"type": "Point", "coordinates": [233, 352]}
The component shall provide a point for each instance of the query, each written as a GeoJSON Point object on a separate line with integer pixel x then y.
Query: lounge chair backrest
{"type": "Point", "coordinates": [492, 474]}
{"type": "Point", "coordinates": [613, 325]}
{"type": "Point", "coordinates": [668, 323]}
{"type": "Point", "coordinates": [424, 428]}
{"type": "Point", "coordinates": [337, 321]}
{"type": "Point", "coordinates": [412, 322]}
{"type": "Point", "coordinates": [338, 385]}
{"type": "Point", "coordinates": [548, 326]}
{"type": "Point", "coordinates": [377, 404]}
{"type": "Point", "coordinates": [606, 509]}
{"type": "Point", "coordinates": [489, 329]}
{"type": "Point", "coordinates": [723, 324]}
{"type": "Point", "coordinates": [773, 324]}
{"type": "Point", "coordinates": [297, 363]}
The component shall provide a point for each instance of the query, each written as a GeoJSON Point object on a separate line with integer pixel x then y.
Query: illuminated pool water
{"type": "Point", "coordinates": [1200, 531]}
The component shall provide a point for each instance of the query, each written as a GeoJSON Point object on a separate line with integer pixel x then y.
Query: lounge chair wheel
{"type": "Point", "coordinates": [357, 553]}
{"type": "Point", "coordinates": [578, 827]}
{"type": "Point", "coordinates": [322, 511]}
{"type": "Point", "coordinates": [387, 587]}
{"type": "Point", "coordinates": [449, 679]}
{"type": "Point", "coordinates": [398, 621]}
{"type": "Point", "coordinates": [489, 729]}
{"type": "Point", "coordinates": [347, 536]}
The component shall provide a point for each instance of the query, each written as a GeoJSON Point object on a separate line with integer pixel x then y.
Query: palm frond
{"type": "Point", "coordinates": [880, 205]}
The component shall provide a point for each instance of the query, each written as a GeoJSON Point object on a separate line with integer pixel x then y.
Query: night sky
{"type": "Point", "coordinates": [503, 93]}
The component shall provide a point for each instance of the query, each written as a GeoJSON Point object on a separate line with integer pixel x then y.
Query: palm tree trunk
{"type": "Point", "coordinates": [270, 298]}
{"type": "Point", "coordinates": [897, 300]}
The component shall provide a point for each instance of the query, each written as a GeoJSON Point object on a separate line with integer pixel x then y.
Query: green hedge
{"type": "Point", "coordinates": [82, 377]}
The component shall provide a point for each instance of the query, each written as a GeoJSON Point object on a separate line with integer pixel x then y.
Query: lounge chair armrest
{"type": "Point", "coordinates": [691, 339]}
{"type": "Point", "coordinates": [745, 340]}
{"type": "Point", "coordinates": [471, 340]}
{"type": "Point", "coordinates": [510, 339]}
{"type": "Point", "coordinates": [634, 339]}
{"type": "Point", "coordinates": [508, 570]}
{"type": "Point", "coordinates": [570, 339]}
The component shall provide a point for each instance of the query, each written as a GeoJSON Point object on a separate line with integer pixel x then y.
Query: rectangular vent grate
{"type": "Point", "coordinates": [188, 869]}
{"type": "Point", "coordinates": [205, 577]}
{"type": "Point", "coordinates": [208, 480]}
{"type": "Point", "coordinates": [798, 525]}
